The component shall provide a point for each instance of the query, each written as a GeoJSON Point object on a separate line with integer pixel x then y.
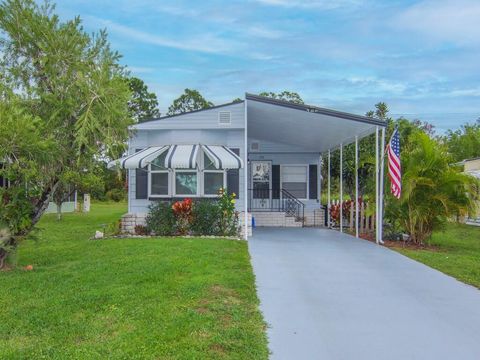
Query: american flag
{"type": "Point", "coordinates": [394, 166]}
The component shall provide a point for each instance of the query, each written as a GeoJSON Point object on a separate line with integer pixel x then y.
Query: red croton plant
{"type": "Point", "coordinates": [346, 206]}
{"type": "Point", "coordinates": [183, 213]}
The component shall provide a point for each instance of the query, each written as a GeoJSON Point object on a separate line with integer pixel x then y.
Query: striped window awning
{"type": "Point", "coordinates": [138, 160]}
{"type": "Point", "coordinates": [222, 157]}
{"type": "Point", "coordinates": [180, 157]}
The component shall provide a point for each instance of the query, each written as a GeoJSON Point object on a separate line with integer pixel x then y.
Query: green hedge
{"type": "Point", "coordinates": [209, 217]}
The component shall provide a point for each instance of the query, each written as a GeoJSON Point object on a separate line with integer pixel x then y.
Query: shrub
{"type": "Point", "coordinates": [116, 195]}
{"type": "Point", "coordinates": [183, 214]}
{"type": "Point", "coordinates": [161, 219]}
{"type": "Point", "coordinates": [432, 190]}
{"type": "Point", "coordinates": [141, 230]}
{"type": "Point", "coordinates": [113, 229]}
{"type": "Point", "coordinates": [228, 215]}
{"type": "Point", "coordinates": [206, 218]}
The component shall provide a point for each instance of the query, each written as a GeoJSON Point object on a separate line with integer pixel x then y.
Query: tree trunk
{"type": "Point", "coordinates": [59, 211]}
{"type": "Point", "coordinates": [10, 244]}
{"type": "Point", "coordinates": [42, 205]}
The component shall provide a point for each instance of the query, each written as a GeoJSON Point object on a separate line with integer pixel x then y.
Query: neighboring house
{"type": "Point", "coordinates": [279, 143]}
{"type": "Point", "coordinates": [472, 167]}
{"type": "Point", "coordinates": [69, 205]}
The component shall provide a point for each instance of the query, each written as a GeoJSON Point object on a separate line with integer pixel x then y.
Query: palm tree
{"type": "Point", "coordinates": [433, 190]}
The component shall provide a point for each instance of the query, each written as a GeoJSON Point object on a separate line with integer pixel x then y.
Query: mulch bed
{"type": "Point", "coordinates": [399, 244]}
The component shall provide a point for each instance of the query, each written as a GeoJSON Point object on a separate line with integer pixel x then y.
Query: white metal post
{"type": "Point", "coordinates": [382, 166]}
{"type": "Point", "coordinates": [341, 187]}
{"type": "Point", "coordinates": [328, 192]}
{"type": "Point", "coordinates": [356, 186]}
{"type": "Point", "coordinates": [245, 171]}
{"type": "Point", "coordinates": [319, 179]}
{"type": "Point", "coordinates": [376, 186]}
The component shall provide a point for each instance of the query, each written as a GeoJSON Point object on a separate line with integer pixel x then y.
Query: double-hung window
{"type": "Point", "coordinates": [295, 180]}
{"type": "Point", "coordinates": [159, 177]}
{"type": "Point", "coordinates": [213, 179]}
{"type": "Point", "coordinates": [186, 183]}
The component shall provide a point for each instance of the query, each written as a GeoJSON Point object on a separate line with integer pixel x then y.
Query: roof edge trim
{"type": "Point", "coordinates": [316, 110]}
{"type": "Point", "coordinates": [190, 112]}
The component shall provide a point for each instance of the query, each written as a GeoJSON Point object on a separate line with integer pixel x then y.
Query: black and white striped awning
{"type": "Point", "coordinates": [180, 157]}
{"type": "Point", "coordinates": [138, 160]}
{"type": "Point", "coordinates": [222, 157]}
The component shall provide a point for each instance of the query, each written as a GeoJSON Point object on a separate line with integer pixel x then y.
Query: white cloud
{"type": "Point", "coordinates": [444, 20]}
{"type": "Point", "coordinates": [264, 32]}
{"type": "Point", "coordinates": [382, 85]}
{"type": "Point", "coordinates": [465, 92]}
{"type": "Point", "coordinates": [207, 43]}
{"type": "Point", "coordinates": [141, 69]}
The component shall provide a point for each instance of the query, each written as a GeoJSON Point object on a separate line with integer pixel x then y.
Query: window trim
{"type": "Point", "coordinates": [172, 191]}
{"type": "Point", "coordinates": [223, 171]}
{"type": "Point", "coordinates": [174, 183]}
{"type": "Point", "coordinates": [169, 191]}
{"type": "Point", "coordinates": [224, 185]}
{"type": "Point", "coordinates": [307, 178]}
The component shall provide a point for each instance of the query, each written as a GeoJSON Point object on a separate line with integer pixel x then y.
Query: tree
{"type": "Point", "coordinates": [143, 104]}
{"type": "Point", "coordinates": [464, 143]}
{"type": "Point", "coordinates": [190, 100]}
{"type": "Point", "coordinates": [64, 103]}
{"type": "Point", "coordinates": [289, 96]}
{"type": "Point", "coordinates": [366, 165]}
{"type": "Point", "coordinates": [432, 190]}
{"type": "Point", "coordinates": [69, 182]}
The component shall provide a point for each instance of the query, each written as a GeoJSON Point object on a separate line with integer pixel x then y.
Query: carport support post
{"type": "Point", "coordinates": [382, 166]}
{"type": "Point", "coordinates": [377, 200]}
{"type": "Point", "coordinates": [245, 172]}
{"type": "Point", "coordinates": [356, 186]}
{"type": "Point", "coordinates": [328, 191]}
{"type": "Point", "coordinates": [341, 187]}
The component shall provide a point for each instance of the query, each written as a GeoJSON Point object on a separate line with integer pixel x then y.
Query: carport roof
{"type": "Point", "coordinates": [311, 128]}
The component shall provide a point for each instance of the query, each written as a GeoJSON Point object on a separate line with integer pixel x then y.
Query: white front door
{"type": "Point", "coordinates": [261, 185]}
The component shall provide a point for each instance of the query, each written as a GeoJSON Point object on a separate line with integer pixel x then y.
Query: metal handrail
{"type": "Point", "coordinates": [299, 207]}
{"type": "Point", "coordinates": [277, 200]}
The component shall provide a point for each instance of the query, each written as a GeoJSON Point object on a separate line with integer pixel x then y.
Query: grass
{"type": "Point", "coordinates": [174, 298]}
{"type": "Point", "coordinates": [456, 253]}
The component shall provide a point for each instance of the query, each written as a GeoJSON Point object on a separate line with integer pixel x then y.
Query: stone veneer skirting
{"type": "Point", "coordinates": [262, 218]}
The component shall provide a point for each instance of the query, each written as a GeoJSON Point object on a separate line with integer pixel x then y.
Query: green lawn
{"type": "Point", "coordinates": [128, 298]}
{"type": "Point", "coordinates": [457, 253]}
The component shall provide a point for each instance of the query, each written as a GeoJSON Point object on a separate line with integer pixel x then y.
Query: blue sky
{"type": "Point", "coordinates": [421, 57]}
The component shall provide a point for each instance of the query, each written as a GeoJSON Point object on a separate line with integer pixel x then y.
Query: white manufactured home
{"type": "Point", "coordinates": [268, 152]}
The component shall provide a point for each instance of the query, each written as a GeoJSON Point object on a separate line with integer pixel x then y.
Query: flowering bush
{"type": "Point", "coordinates": [228, 215]}
{"type": "Point", "coordinates": [346, 206]}
{"type": "Point", "coordinates": [202, 217]}
{"type": "Point", "coordinates": [183, 214]}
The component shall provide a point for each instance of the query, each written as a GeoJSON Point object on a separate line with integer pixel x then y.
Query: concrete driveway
{"type": "Point", "coordinates": [326, 295]}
